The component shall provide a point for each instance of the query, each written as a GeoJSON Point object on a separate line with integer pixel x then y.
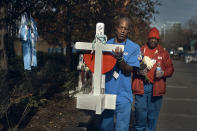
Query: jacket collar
{"type": "Point", "coordinates": [158, 48]}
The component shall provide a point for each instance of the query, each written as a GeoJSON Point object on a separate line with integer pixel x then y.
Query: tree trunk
{"type": "Point", "coordinates": [4, 88]}
{"type": "Point", "coordinates": [68, 39]}
{"type": "Point", "coordinates": [3, 56]}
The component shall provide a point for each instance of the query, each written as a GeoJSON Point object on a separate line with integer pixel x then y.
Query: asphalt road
{"type": "Point", "coordinates": [179, 107]}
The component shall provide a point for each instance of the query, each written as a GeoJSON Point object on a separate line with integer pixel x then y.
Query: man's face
{"type": "Point", "coordinates": [152, 42]}
{"type": "Point", "coordinates": [122, 31]}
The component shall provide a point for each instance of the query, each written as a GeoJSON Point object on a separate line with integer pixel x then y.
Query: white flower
{"type": "Point", "coordinates": [86, 68]}
{"type": "Point", "coordinates": [149, 62]}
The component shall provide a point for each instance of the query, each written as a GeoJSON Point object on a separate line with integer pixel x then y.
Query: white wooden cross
{"type": "Point", "coordinates": [95, 100]}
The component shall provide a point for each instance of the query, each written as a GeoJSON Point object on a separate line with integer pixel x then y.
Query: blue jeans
{"type": "Point", "coordinates": [147, 108]}
{"type": "Point", "coordinates": [122, 116]}
{"type": "Point", "coordinates": [29, 55]}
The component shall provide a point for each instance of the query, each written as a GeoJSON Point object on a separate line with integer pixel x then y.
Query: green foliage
{"type": "Point", "coordinates": [42, 102]}
{"type": "Point", "coordinates": [13, 129]}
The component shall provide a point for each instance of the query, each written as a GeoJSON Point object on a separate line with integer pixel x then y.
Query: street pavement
{"type": "Point", "coordinates": [179, 107]}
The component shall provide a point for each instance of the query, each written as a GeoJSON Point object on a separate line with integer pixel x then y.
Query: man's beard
{"type": "Point", "coordinates": [152, 45]}
{"type": "Point", "coordinates": [121, 38]}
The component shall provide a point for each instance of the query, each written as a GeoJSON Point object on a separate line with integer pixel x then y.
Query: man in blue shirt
{"type": "Point", "coordinates": [118, 80]}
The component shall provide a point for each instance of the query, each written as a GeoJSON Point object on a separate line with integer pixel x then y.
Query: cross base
{"type": "Point", "coordinates": [96, 102]}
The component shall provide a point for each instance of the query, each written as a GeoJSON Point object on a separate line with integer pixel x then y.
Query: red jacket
{"type": "Point", "coordinates": [159, 85]}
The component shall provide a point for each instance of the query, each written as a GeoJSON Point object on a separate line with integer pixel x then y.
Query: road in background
{"type": "Point", "coordinates": [179, 107]}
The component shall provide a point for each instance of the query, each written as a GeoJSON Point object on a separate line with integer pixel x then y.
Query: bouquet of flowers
{"type": "Point", "coordinates": [146, 62]}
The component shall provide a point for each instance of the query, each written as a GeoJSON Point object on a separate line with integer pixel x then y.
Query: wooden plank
{"type": "Point", "coordinates": [83, 46]}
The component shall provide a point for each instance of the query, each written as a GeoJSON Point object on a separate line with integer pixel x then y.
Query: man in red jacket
{"type": "Point", "coordinates": [148, 93]}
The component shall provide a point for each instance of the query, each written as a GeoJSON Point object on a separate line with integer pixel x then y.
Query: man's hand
{"type": "Point", "coordinates": [118, 53]}
{"type": "Point", "coordinates": [143, 72]}
{"type": "Point", "coordinates": [159, 74]}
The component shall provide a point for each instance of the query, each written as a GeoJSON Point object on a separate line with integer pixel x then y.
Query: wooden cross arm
{"type": "Point", "coordinates": [83, 46]}
{"type": "Point", "coordinates": [110, 47]}
{"type": "Point", "coordinates": [88, 46]}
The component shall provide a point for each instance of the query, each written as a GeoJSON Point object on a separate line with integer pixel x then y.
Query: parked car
{"type": "Point", "coordinates": [191, 57]}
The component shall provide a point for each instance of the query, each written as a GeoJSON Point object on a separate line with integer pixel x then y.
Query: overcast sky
{"type": "Point", "coordinates": [175, 11]}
